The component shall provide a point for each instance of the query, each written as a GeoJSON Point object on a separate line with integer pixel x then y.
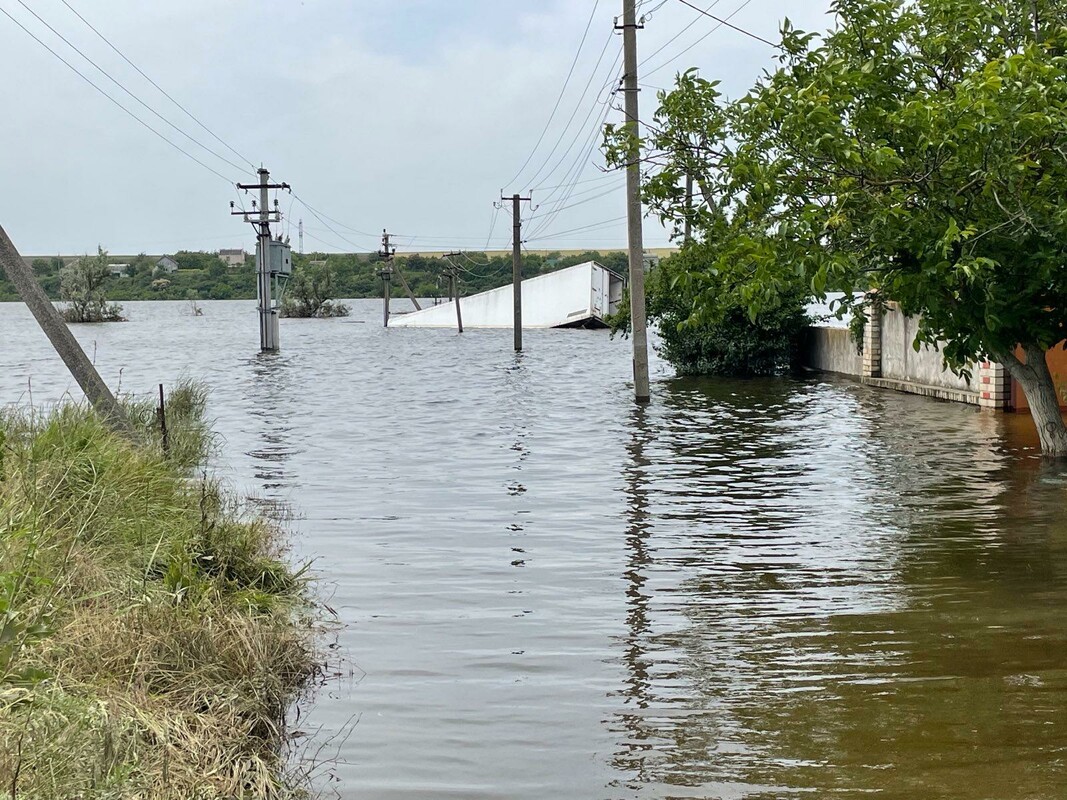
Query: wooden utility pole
{"type": "Point", "coordinates": [453, 288]}
{"type": "Point", "coordinates": [386, 273]}
{"type": "Point", "coordinates": [516, 265]}
{"type": "Point", "coordinates": [638, 332]}
{"type": "Point", "coordinates": [81, 368]}
{"type": "Point", "coordinates": [268, 309]}
{"type": "Point", "coordinates": [404, 283]}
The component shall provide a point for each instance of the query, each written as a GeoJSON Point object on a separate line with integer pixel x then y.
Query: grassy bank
{"type": "Point", "coordinates": [151, 637]}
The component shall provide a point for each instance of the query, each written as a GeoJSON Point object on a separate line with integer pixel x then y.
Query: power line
{"type": "Point", "coordinates": [187, 112]}
{"type": "Point", "coordinates": [319, 215]}
{"type": "Point", "coordinates": [323, 241]}
{"type": "Point", "coordinates": [674, 58]}
{"type": "Point", "coordinates": [492, 224]}
{"type": "Point", "coordinates": [605, 193]}
{"type": "Point", "coordinates": [583, 193]}
{"type": "Point", "coordinates": [566, 83]}
{"type": "Point", "coordinates": [673, 39]}
{"type": "Point", "coordinates": [600, 178]}
{"type": "Point", "coordinates": [578, 107]}
{"type": "Point", "coordinates": [575, 170]}
{"type": "Point", "coordinates": [730, 25]}
{"type": "Point", "coordinates": [555, 234]}
{"type": "Point", "coordinates": [326, 224]}
{"type": "Point", "coordinates": [88, 80]}
{"type": "Point", "coordinates": [571, 174]}
{"type": "Point", "coordinates": [108, 75]}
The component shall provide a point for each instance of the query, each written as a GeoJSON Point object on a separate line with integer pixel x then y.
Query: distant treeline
{"type": "Point", "coordinates": [205, 276]}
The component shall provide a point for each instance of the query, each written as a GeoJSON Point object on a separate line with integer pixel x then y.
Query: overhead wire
{"type": "Point", "coordinates": [675, 57]}
{"type": "Point", "coordinates": [162, 91]}
{"type": "Point", "coordinates": [612, 84]}
{"type": "Point", "coordinates": [728, 24]}
{"type": "Point", "coordinates": [562, 92]}
{"type": "Point", "coordinates": [120, 85]}
{"type": "Point", "coordinates": [92, 83]}
{"type": "Point", "coordinates": [674, 38]}
{"type": "Point", "coordinates": [320, 217]}
{"type": "Point", "coordinates": [575, 170]}
{"type": "Point", "coordinates": [577, 108]}
{"type": "Point", "coordinates": [612, 190]}
{"type": "Point", "coordinates": [591, 226]}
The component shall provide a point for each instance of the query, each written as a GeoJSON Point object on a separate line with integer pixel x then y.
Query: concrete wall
{"type": "Point", "coordinates": [832, 350]}
{"type": "Point", "coordinates": [889, 360]}
{"type": "Point", "coordinates": [901, 362]}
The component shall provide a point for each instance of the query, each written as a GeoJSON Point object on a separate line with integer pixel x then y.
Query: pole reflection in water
{"type": "Point", "coordinates": [273, 401]}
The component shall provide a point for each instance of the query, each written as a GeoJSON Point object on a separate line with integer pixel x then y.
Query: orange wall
{"type": "Point", "coordinates": [1057, 364]}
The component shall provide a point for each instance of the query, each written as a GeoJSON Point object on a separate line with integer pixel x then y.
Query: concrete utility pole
{"type": "Point", "coordinates": [639, 333]}
{"type": "Point", "coordinates": [300, 233]}
{"type": "Point", "coordinates": [386, 274]}
{"type": "Point", "coordinates": [516, 265]}
{"type": "Point", "coordinates": [268, 309]}
{"type": "Point", "coordinates": [81, 368]}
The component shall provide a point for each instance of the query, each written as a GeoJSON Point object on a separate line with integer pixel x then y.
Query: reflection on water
{"type": "Point", "coordinates": [858, 592]}
{"type": "Point", "coordinates": [762, 589]}
{"type": "Point", "coordinates": [273, 404]}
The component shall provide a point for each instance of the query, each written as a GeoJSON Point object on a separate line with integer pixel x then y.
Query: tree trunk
{"type": "Point", "coordinates": [1036, 382]}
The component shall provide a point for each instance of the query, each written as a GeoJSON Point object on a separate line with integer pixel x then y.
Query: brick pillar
{"type": "Point", "coordinates": [872, 343]}
{"type": "Point", "coordinates": [994, 385]}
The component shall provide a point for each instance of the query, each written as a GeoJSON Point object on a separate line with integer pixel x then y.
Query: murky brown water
{"type": "Point", "coordinates": [764, 589]}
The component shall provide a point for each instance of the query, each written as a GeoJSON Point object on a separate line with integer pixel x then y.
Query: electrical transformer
{"type": "Point", "coordinates": [280, 259]}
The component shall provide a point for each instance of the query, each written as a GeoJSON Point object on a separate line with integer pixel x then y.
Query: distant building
{"type": "Point", "coordinates": [166, 265]}
{"type": "Point", "coordinates": [118, 270]}
{"type": "Point", "coordinates": [233, 258]}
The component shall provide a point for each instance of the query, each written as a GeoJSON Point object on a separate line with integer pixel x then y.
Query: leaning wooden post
{"type": "Point", "coordinates": [455, 294]}
{"type": "Point", "coordinates": [83, 371]}
{"type": "Point", "coordinates": [163, 422]}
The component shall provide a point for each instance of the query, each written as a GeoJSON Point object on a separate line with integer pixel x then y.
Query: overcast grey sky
{"type": "Point", "coordinates": [405, 114]}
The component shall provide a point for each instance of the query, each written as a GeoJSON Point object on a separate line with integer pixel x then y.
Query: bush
{"type": "Point", "coordinates": [728, 341]}
{"type": "Point", "coordinates": [82, 285]}
{"type": "Point", "coordinates": [311, 294]}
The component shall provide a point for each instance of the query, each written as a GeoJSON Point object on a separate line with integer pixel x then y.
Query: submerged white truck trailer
{"type": "Point", "coordinates": [581, 296]}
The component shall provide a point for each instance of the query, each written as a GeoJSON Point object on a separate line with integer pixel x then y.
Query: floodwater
{"type": "Point", "coordinates": [764, 589]}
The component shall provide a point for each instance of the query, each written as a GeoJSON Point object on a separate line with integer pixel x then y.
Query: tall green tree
{"type": "Point", "coordinates": [918, 151]}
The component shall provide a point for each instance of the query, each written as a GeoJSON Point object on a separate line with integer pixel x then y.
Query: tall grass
{"type": "Point", "coordinates": [151, 636]}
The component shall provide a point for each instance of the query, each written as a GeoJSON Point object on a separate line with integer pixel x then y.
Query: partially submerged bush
{"type": "Point", "coordinates": [83, 285]}
{"type": "Point", "coordinates": [151, 637]}
{"type": "Point", "coordinates": [726, 341]}
{"type": "Point", "coordinates": [311, 294]}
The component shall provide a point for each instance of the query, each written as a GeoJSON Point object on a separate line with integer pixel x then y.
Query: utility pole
{"type": "Point", "coordinates": [516, 265]}
{"type": "Point", "coordinates": [453, 288]}
{"type": "Point", "coordinates": [267, 253]}
{"type": "Point", "coordinates": [81, 368]}
{"type": "Point", "coordinates": [386, 273]}
{"type": "Point", "coordinates": [404, 282]}
{"type": "Point", "coordinates": [300, 233]}
{"type": "Point", "coordinates": [639, 333]}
